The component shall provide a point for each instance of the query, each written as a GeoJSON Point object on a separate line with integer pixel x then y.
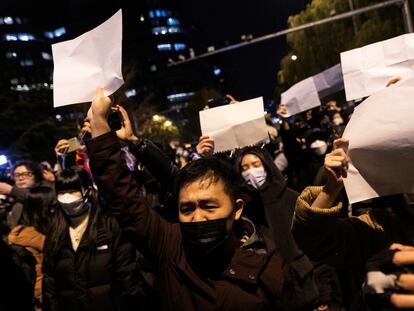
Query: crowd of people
{"type": "Point", "coordinates": [123, 224]}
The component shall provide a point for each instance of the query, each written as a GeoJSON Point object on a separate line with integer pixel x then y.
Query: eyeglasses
{"type": "Point", "coordinates": [23, 175]}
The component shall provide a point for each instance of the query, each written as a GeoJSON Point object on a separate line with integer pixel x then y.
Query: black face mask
{"type": "Point", "coordinates": [207, 244]}
{"type": "Point", "coordinates": [78, 207]}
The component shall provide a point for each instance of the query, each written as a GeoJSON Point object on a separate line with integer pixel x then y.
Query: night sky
{"type": "Point", "coordinates": [250, 71]}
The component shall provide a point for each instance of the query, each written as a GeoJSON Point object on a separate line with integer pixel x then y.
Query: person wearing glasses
{"type": "Point", "coordinates": [26, 175]}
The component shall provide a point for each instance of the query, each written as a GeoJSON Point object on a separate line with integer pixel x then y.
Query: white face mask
{"type": "Point", "coordinates": [68, 197]}
{"type": "Point", "coordinates": [255, 177]}
{"type": "Point", "coordinates": [338, 121]}
{"type": "Point", "coordinates": [319, 147]}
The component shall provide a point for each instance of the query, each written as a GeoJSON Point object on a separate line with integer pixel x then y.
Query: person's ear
{"type": "Point", "coordinates": [239, 209]}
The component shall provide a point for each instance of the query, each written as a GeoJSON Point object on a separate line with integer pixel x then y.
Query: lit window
{"type": "Point", "coordinates": [171, 21]}
{"type": "Point", "coordinates": [1, 20]}
{"type": "Point", "coordinates": [26, 37]}
{"type": "Point", "coordinates": [8, 20]}
{"type": "Point", "coordinates": [130, 93]}
{"type": "Point", "coordinates": [14, 81]}
{"type": "Point", "coordinates": [59, 32]}
{"type": "Point", "coordinates": [3, 159]}
{"type": "Point", "coordinates": [22, 88]}
{"type": "Point", "coordinates": [179, 96]}
{"type": "Point", "coordinates": [164, 47]}
{"type": "Point", "coordinates": [151, 14]}
{"type": "Point", "coordinates": [49, 34]}
{"type": "Point", "coordinates": [11, 55]}
{"type": "Point", "coordinates": [174, 29]}
{"type": "Point", "coordinates": [26, 62]}
{"type": "Point", "coordinates": [10, 37]}
{"type": "Point", "coordinates": [159, 30]}
{"type": "Point", "coordinates": [180, 46]}
{"type": "Point", "coordinates": [158, 13]}
{"type": "Point", "coordinates": [217, 71]}
{"type": "Point", "coordinates": [46, 56]}
{"type": "Point", "coordinates": [18, 20]}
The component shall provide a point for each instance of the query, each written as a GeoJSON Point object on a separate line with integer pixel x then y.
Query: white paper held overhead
{"type": "Point", "coordinates": [329, 81]}
{"type": "Point", "coordinates": [301, 97]}
{"type": "Point", "coordinates": [236, 125]}
{"type": "Point", "coordinates": [381, 144]}
{"type": "Point", "coordinates": [367, 70]}
{"type": "Point", "coordinates": [88, 61]}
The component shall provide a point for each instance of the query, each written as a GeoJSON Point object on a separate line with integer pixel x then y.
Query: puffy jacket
{"type": "Point", "coordinates": [104, 280]}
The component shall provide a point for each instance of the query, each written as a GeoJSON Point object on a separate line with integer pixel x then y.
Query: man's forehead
{"type": "Point", "coordinates": [206, 187]}
{"type": "Point", "coordinates": [205, 182]}
{"type": "Point", "coordinates": [21, 168]}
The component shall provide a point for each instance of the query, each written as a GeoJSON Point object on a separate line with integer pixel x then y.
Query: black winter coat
{"type": "Point", "coordinates": [106, 280]}
{"type": "Point", "coordinates": [273, 204]}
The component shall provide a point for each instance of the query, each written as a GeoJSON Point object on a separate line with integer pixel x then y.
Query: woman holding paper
{"type": "Point", "coordinates": [346, 244]}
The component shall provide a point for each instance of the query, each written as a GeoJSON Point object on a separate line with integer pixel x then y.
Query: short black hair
{"type": "Point", "coordinates": [212, 169]}
{"type": "Point", "coordinates": [69, 180]}
{"type": "Point", "coordinates": [32, 167]}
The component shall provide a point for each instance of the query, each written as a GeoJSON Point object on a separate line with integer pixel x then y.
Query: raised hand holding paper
{"type": "Point", "coordinates": [88, 61]}
{"type": "Point", "coordinates": [235, 126]}
{"type": "Point", "coordinates": [381, 144]}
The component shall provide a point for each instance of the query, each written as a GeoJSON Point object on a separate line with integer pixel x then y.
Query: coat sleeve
{"type": "Point", "coordinates": [156, 161]}
{"type": "Point", "coordinates": [128, 285]}
{"type": "Point", "coordinates": [278, 211]}
{"type": "Point", "coordinates": [49, 293]}
{"type": "Point", "coordinates": [144, 228]}
{"type": "Point", "coordinates": [19, 194]}
{"type": "Point", "coordinates": [323, 236]}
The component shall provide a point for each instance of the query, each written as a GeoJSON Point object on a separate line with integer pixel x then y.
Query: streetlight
{"type": "Point", "coordinates": [156, 117]}
{"type": "Point", "coordinates": [293, 57]}
{"type": "Point", "coordinates": [167, 123]}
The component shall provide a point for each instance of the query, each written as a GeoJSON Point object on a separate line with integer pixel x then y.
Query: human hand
{"type": "Point", "coordinates": [5, 188]}
{"type": "Point", "coordinates": [205, 146]}
{"type": "Point", "coordinates": [337, 163]}
{"type": "Point", "coordinates": [125, 132]}
{"type": "Point", "coordinates": [231, 99]}
{"type": "Point", "coordinates": [98, 113]}
{"type": "Point", "coordinates": [48, 176]}
{"type": "Point", "coordinates": [281, 110]}
{"type": "Point", "coordinates": [404, 257]}
{"type": "Point", "coordinates": [62, 147]}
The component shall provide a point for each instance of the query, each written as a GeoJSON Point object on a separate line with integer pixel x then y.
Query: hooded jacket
{"type": "Point", "coordinates": [273, 204]}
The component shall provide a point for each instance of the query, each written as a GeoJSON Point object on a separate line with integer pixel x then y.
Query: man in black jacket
{"type": "Point", "coordinates": [212, 259]}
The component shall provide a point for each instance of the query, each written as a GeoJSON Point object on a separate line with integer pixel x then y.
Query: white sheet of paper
{"type": "Point", "coordinates": [88, 61]}
{"type": "Point", "coordinates": [367, 70]}
{"type": "Point", "coordinates": [329, 81]}
{"type": "Point", "coordinates": [236, 125]}
{"type": "Point", "coordinates": [301, 97]}
{"type": "Point", "coordinates": [381, 144]}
